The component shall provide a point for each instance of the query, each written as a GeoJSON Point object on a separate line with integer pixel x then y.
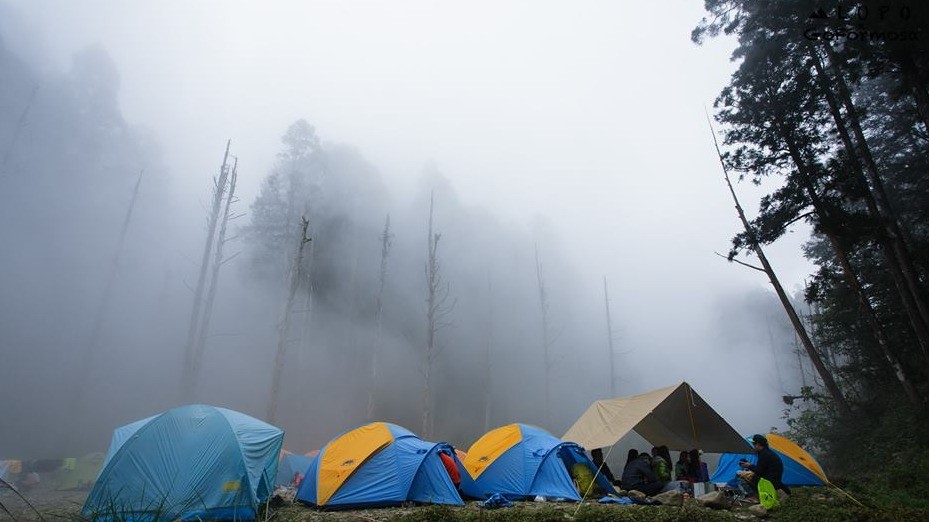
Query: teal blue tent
{"type": "Point", "coordinates": [187, 463]}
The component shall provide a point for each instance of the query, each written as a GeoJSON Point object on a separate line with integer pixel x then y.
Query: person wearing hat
{"type": "Point", "coordinates": [769, 465]}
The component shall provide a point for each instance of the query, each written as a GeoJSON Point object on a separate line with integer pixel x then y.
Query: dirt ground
{"type": "Point", "coordinates": [54, 505]}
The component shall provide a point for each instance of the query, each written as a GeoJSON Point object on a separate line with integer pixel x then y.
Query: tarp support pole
{"type": "Point", "coordinates": [693, 424]}
{"type": "Point", "coordinates": [594, 481]}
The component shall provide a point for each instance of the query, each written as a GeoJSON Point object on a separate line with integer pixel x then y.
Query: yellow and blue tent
{"type": "Point", "coordinates": [800, 468]}
{"type": "Point", "coordinates": [378, 464]}
{"type": "Point", "coordinates": [521, 461]}
{"type": "Point", "coordinates": [191, 463]}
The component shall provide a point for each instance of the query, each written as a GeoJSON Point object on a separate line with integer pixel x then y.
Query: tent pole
{"type": "Point", "coordinates": [693, 424]}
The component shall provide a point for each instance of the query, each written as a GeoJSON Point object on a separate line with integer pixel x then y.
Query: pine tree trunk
{"type": "Point", "coordinates": [283, 328]}
{"type": "Point", "coordinates": [814, 356]}
{"type": "Point", "coordinates": [915, 81]}
{"type": "Point", "coordinates": [888, 219]}
{"type": "Point", "coordinates": [894, 266]}
{"type": "Point", "coordinates": [191, 370]}
{"type": "Point", "coordinates": [848, 273]}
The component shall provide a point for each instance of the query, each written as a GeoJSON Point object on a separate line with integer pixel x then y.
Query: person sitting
{"type": "Point", "coordinates": [703, 472]}
{"type": "Point", "coordinates": [682, 468]}
{"type": "Point", "coordinates": [769, 465]}
{"type": "Point", "coordinates": [631, 456]}
{"type": "Point", "coordinates": [597, 458]}
{"type": "Point", "coordinates": [638, 475]}
{"type": "Point", "coordinates": [660, 467]}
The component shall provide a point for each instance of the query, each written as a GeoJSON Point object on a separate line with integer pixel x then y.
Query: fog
{"type": "Point", "coordinates": [575, 133]}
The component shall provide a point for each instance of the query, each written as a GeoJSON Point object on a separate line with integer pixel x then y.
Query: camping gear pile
{"type": "Point", "coordinates": [200, 462]}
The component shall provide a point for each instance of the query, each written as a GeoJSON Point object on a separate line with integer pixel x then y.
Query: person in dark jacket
{"type": "Point", "coordinates": [597, 457]}
{"type": "Point", "coordinates": [638, 475]}
{"type": "Point", "coordinates": [631, 456]}
{"type": "Point", "coordinates": [769, 465]}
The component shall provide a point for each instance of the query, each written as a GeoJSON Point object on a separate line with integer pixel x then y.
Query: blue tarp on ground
{"type": "Point", "coordinates": [190, 462]}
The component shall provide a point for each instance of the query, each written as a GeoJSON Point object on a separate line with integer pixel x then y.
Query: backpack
{"type": "Point", "coordinates": [767, 495]}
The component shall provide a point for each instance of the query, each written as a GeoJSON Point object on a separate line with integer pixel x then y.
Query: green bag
{"type": "Point", "coordinates": [767, 495]}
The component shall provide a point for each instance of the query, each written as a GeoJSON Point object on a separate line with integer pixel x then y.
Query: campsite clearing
{"type": "Point", "coordinates": [806, 504]}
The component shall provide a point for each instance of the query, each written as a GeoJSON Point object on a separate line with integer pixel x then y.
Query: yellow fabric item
{"type": "Point", "coordinates": [792, 450]}
{"type": "Point", "coordinates": [345, 454]}
{"type": "Point", "coordinates": [81, 473]}
{"type": "Point", "coordinates": [14, 466]}
{"type": "Point", "coordinates": [487, 448]}
{"type": "Point", "coordinates": [583, 477]}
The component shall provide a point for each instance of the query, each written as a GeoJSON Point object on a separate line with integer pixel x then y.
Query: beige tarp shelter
{"type": "Point", "coordinates": [675, 417]}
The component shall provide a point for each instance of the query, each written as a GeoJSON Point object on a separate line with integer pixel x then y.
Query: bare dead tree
{"type": "Point", "coordinates": [609, 338]}
{"type": "Point", "coordinates": [103, 306]}
{"type": "Point", "coordinates": [546, 339]}
{"type": "Point", "coordinates": [191, 370]}
{"type": "Point", "coordinates": [18, 129]}
{"type": "Point", "coordinates": [114, 271]}
{"type": "Point", "coordinates": [386, 241]}
{"type": "Point", "coordinates": [218, 262]}
{"type": "Point", "coordinates": [283, 328]}
{"type": "Point", "coordinates": [811, 351]}
{"type": "Point", "coordinates": [488, 358]}
{"type": "Point", "coordinates": [437, 308]}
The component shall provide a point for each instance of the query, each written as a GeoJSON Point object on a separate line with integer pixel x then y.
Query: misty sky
{"type": "Point", "coordinates": [582, 121]}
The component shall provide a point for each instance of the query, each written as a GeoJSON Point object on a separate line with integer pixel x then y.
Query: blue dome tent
{"type": "Point", "coordinates": [187, 463]}
{"type": "Point", "coordinates": [378, 464]}
{"type": "Point", "coordinates": [521, 461]}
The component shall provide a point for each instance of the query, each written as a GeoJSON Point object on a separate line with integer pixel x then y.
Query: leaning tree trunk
{"type": "Point", "coordinates": [283, 327]}
{"type": "Point", "coordinates": [191, 371]}
{"type": "Point", "coordinates": [218, 262]}
{"type": "Point", "coordinates": [814, 356]}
